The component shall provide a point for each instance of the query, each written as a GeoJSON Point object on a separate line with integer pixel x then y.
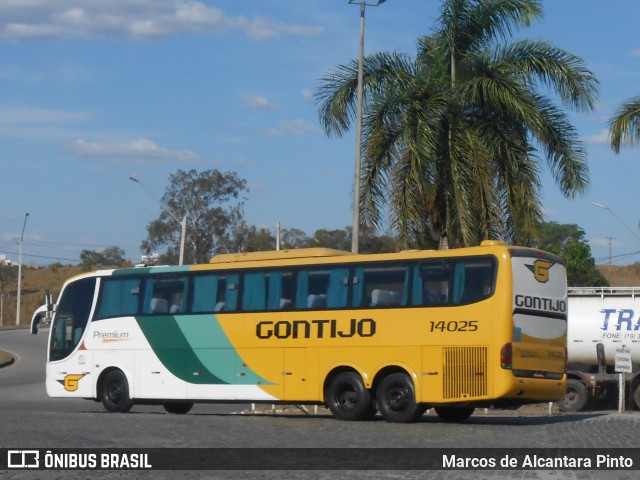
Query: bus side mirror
{"type": "Point", "coordinates": [44, 311]}
{"type": "Point", "coordinates": [35, 321]}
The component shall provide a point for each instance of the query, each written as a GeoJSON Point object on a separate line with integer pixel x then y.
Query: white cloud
{"type": "Point", "coordinates": [290, 127]}
{"type": "Point", "coordinates": [140, 151]}
{"type": "Point", "coordinates": [635, 52]}
{"type": "Point", "coordinates": [307, 94]}
{"type": "Point", "coordinates": [23, 115]}
{"type": "Point", "coordinates": [262, 28]}
{"type": "Point", "coordinates": [601, 138]}
{"type": "Point", "coordinates": [17, 121]}
{"type": "Point", "coordinates": [549, 211]}
{"type": "Point", "coordinates": [29, 19]}
{"type": "Point", "coordinates": [259, 102]}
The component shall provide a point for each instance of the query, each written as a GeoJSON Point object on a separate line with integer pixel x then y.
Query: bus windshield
{"type": "Point", "coordinates": [71, 318]}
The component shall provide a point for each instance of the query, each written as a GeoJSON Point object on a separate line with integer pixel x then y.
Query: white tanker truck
{"type": "Point", "coordinates": [601, 320]}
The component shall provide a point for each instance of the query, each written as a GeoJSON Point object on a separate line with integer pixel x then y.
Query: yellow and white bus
{"type": "Point", "coordinates": [396, 333]}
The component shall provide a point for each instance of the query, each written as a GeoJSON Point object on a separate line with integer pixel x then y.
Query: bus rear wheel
{"type": "Point", "coordinates": [178, 408]}
{"type": "Point", "coordinates": [115, 392]}
{"type": "Point", "coordinates": [348, 398]}
{"type": "Point", "coordinates": [396, 399]}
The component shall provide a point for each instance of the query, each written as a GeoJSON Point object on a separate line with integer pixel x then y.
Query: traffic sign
{"type": "Point", "coordinates": [623, 360]}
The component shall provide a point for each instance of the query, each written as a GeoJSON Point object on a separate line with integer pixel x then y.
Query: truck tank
{"type": "Point", "coordinates": [601, 320]}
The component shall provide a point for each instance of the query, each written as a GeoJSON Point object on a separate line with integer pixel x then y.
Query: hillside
{"type": "Point", "coordinates": [622, 275]}
{"type": "Point", "coordinates": [35, 283]}
{"type": "Point", "coordinates": [38, 281]}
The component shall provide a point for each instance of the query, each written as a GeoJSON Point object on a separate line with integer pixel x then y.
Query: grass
{"type": "Point", "coordinates": [5, 357]}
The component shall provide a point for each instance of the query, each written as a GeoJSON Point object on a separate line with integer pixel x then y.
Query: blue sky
{"type": "Point", "coordinates": [93, 92]}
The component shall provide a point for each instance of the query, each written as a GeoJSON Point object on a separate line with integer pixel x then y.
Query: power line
{"type": "Point", "coordinates": [622, 255]}
{"type": "Point", "coordinates": [43, 256]}
{"type": "Point", "coordinates": [44, 242]}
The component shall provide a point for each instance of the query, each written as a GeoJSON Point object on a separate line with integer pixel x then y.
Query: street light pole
{"type": "Point", "coordinates": [20, 270]}
{"type": "Point", "coordinates": [599, 205]}
{"type": "Point", "coordinates": [355, 233]}
{"type": "Point", "coordinates": [183, 222]}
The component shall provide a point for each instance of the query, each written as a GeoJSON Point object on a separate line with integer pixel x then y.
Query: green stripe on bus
{"type": "Point", "coordinates": [153, 270]}
{"type": "Point", "coordinates": [195, 349]}
{"type": "Point", "coordinates": [174, 351]}
{"type": "Point", "coordinates": [214, 349]}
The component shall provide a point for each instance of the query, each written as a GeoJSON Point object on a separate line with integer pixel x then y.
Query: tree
{"type": "Point", "coordinates": [109, 256]}
{"type": "Point", "coordinates": [211, 201]}
{"type": "Point", "coordinates": [8, 276]}
{"type": "Point", "coordinates": [293, 238]}
{"type": "Point", "coordinates": [249, 238]}
{"type": "Point", "coordinates": [581, 269]}
{"type": "Point", "coordinates": [337, 239]}
{"type": "Point", "coordinates": [453, 138]}
{"type": "Point", "coordinates": [624, 126]}
{"type": "Point", "coordinates": [567, 241]}
{"type": "Point", "coordinates": [553, 236]}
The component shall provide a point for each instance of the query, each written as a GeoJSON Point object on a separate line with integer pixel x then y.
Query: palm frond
{"type": "Point", "coordinates": [624, 126]}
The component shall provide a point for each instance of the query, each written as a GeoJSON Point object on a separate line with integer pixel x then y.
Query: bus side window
{"type": "Point", "coordinates": [431, 283]}
{"type": "Point", "coordinates": [214, 293]}
{"type": "Point", "coordinates": [381, 286]}
{"type": "Point", "coordinates": [473, 280]}
{"type": "Point", "coordinates": [267, 290]}
{"type": "Point", "coordinates": [165, 294]}
{"type": "Point", "coordinates": [229, 285]}
{"type": "Point", "coordinates": [204, 293]}
{"type": "Point", "coordinates": [119, 297]}
{"type": "Point", "coordinates": [318, 289]}
{"type": "Point", "coordinates": [280, 291]}
{"type": "Point", "coordinates": [254, 291]}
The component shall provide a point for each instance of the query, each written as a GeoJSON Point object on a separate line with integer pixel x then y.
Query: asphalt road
{"type": "Point", "coordinates": [30, 419]}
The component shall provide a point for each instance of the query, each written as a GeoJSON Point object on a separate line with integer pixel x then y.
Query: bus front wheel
{"type": "Point", "coordinates": [396, 399]}
{"type": "Point", "coordinates": [348, 398]}
{"type": "Point", "coordinates": [115, 392]}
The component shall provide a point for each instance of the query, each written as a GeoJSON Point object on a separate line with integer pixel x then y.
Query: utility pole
{"type": "Point", "coordinates": [20, 270]}
{"type": "Point", "coordinates": [183, 222]}
{"type": "Point", "coordinates": [355, 229]}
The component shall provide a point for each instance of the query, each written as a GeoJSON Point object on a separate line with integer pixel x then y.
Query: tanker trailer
{"type": "Point", "coordinates": [601, 320]}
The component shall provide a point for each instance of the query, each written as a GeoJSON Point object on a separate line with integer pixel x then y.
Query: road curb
{"type": "Point", "coordinates": [8, 362]}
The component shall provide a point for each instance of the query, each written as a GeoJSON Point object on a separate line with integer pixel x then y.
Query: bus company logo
{"type": "Point", "coordinates": [70, 381]}
{"type": "Point", "coordinates": [23, 459]}
{"type": "Point", "coordinates": [540, 270]}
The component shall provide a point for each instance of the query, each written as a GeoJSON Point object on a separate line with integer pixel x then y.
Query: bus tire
{"type": "Point", "coordinates": [396, 399]}
{"type": "Point", "coordinates": [575, 398]}
{"type": "Point", "coordinates": [636, 393]}
{"type": "Point", "coordinates": [454, 414]}
{"type": "Point", "coordinates": [348, 398]}
{"type": "Point", "coordinates": [114, 392]}
{"type": "Point", "coordinates": [178, 408]}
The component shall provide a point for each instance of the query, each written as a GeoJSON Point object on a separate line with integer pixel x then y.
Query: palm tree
{"type": "Point", "coordinates": [624, 126]}
{"type": "Point", "coordinates": [453, 138]}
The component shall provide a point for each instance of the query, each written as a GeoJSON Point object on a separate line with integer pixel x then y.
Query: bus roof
{"type": "Point", "coordinates": [278, 255]}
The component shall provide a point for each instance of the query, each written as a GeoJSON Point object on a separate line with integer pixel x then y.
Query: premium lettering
{"type": "Point", "coordinates": [110, 335]}
{"type": "Point", "coordinates": [365, 327]}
